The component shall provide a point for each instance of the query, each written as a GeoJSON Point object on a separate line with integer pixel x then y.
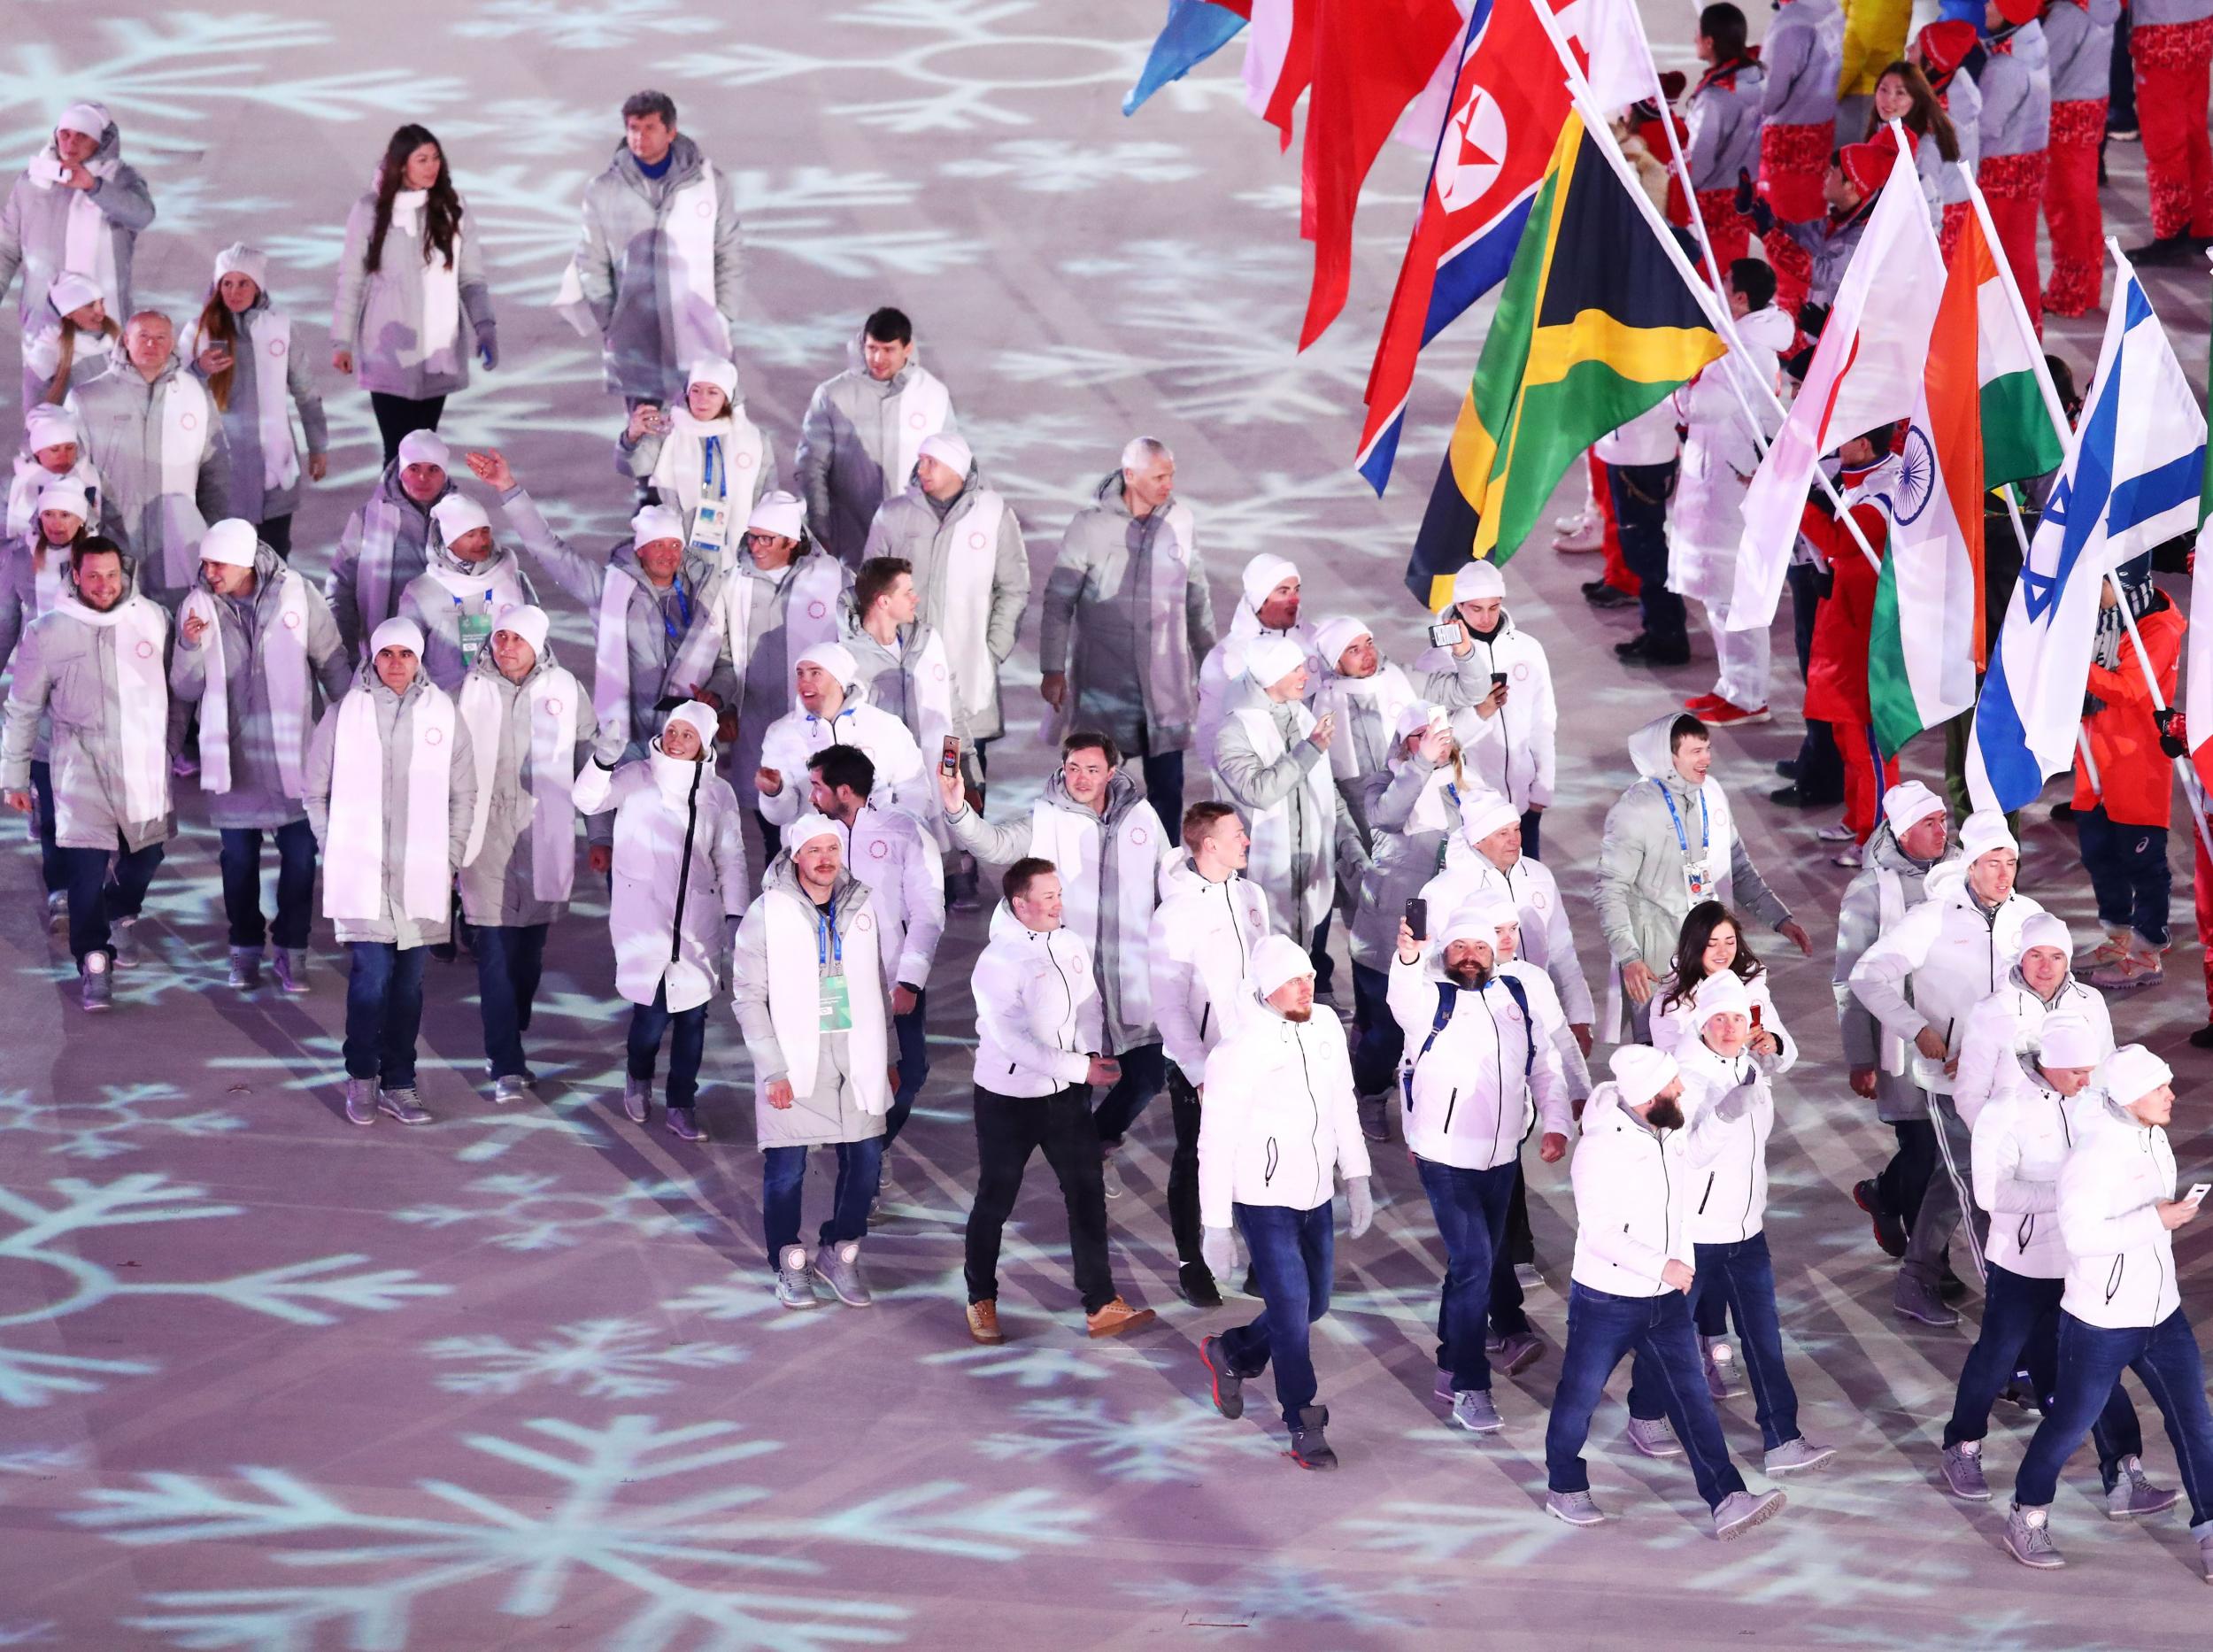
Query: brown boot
{"type": "Point", "coordinates": [983, 1324]}
{"type": "Point", "coordinates": [1116, 1317]}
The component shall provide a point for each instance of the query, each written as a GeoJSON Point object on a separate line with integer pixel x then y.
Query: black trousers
{"type": "Point", "coordinates": [1009, 1128]}
{"type": "Point", "coordinates": [397, 416]}
{"type": "Point", "coordinates": [1183, 1169]}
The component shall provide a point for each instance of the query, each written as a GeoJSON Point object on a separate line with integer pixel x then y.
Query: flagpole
{"type": "Point", "coordinates": [1715, 312]}
{"type": "Point", "coordinates": [2020, 310]}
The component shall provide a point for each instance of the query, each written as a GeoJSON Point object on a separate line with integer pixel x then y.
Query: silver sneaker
{"type": "Point", "coordinates": [1720, 1360]}
{"type": "Point", "coordinates": [1576, 1507]}
{"type": "Point", "coordinates": [2133, 1495]}
{"type": "Point", "coordinates": [58, 909]}
{"type": "Point", "coordinates": [289, 966]}
{"type": "Point", "coordinates": [838, 1266]}
{"type": "Point", "coordinates": [1654, 1437]}
{"type": "Point", "coordinates": [1515, 1354]}
{"type": "Point", "coordinates": [123, 942]}
{"type": "Point", "coordinates": [360, 1100]}
{"type": "Point", "coordinates": [402, 1104]}
{"type": "Point", "coordinates": [1913, 1298]}
{"type": "Point", "coordinates": [2029, 1541]}
{"type": "Point", "coordinates": [245, 967]}
{"type": "Point", "coordinates": [1526, 1276]}
{"type": "Point", "coordinates": [1796, 1456]}
{"type": "Point", "coordinates": [512, 1087]}
{"type": "Point", "coordinates": [97, 989]}
{"type": "Point", "coordinates": [1472, 1411]}
{"type": "Point", "coordinates": [1963, 1471]}
{"type": "Point", "coordinates": [1740, 1511]}
{"type": "Point", "coordinates": [638, 1099]}
{"type": "Point", "coordinates": [1110, 1175]}
{"type": "Point", "coordinates": [795, 1285]}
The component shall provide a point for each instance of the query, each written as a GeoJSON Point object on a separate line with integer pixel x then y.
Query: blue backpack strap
{"type": "Point", "coordinates": [1447, 995]}
{"type": "Point", "coordinates": [1519, 993]}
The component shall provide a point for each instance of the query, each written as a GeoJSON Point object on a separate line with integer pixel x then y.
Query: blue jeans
{"type": "Point", "coordinates": [97, 898]}
{"type": "Point", "coordinates": [1470, 1207]}
{"type": "Point", "coordinates": [686, 1046]}
{"type": "Point", "coordinates": [2166, 1361]}
{"type": "Point", "coordinates": [1376, 1050]}
{"type": "Point", "coordinates": [508, 964]}
{"type": "Point", "coordinates": [1293, 1253]}
{"type": "Point", "coordinates": [1164, 790]}
{"type": "Point", "coordinates": [913, 1032]}
{"type": "Point", "coordinates": [1144, 1071]}
{"type": "Point", "coordinates": [1740, 1275]}
{"type": "Point", "coordinates": [50, 864]}
{"type": "Point", "coordinates": [383, 1013]}
{"type": "Point", "coordinates": [1603, 1327]}
{"type": "Point", "coordinates": [783, 1172]}
{"type": "Point", "coordinates": [2021, 1329]}
{"type": "Point", "coordinates": [240, 858]}
{"type": "Point", "coordinates": [2128, 873]}
{"type": "Point", "coordinates": [1533, 833]}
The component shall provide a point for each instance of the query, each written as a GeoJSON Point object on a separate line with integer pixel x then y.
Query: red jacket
{"type": "Point", "coordinates": [2136, 780]}
{"type": "Point", "coordinates": [1844, 624]}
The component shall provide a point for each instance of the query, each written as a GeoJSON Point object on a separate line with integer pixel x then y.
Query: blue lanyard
{"type": "Point", "coordinates": [458, 601]}
{"type": "Point", "coordinates": [1683, 839]}
{"type": "Point", "coordinates": [826, 926]}
{"type": "Point", "coordinates": [683, 607]}
{"type": "Point", "coordinates": [709, 458]}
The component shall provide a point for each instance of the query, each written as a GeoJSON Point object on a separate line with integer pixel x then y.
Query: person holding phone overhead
{"type": "Point", "coordinates": [1508, 737]}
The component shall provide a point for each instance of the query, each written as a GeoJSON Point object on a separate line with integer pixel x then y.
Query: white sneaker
{"type": "Point", "coordinates": [1836, 831]}
{"type": "Point", "coordinates": [1740, 1511]}
{"type": "Point", "coordinates": [1654, 1437]}
{"type": "Point", "coordinates": [1576, 1507]}
{"type": "Point", "coordinates": [1720, 1360]}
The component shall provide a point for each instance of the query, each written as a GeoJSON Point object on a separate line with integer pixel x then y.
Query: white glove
{"type": "Point", "coordinates": [1218, 1251]}
{"type": "Point", "coordinates": [1359, 1206]}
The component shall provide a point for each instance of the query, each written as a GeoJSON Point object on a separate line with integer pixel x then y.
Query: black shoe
{"type": "Point", "coordinates": [1788, 768]}
{"type": "Point", "coordinates": [2202, 1038]}
{"type": "Point", "coordinates": [1252, 1284]}
{"type": "Point", "coordinates": [2062, 811]}
{"type": "Point", "coordinates": [683, 1125]}
{"type": "Point", "coordinates": [1198, 1284]}
{"type": "Point", "coordinates": [1636, 648]}
{"type": "Point", "coordinates": [2169, 251]}
{"type": "Point", "coordinates": [1592, 587]}
{"type": "Point", "coordinates": [1229, 1387]}
{"type": "Point", "coordinates": [1309, 1449]}
{"type": "Point", "coordinates": [1609, 597]}
{"type": "Point", "coordinates": [1890, 1230]}
{"type": "Point", "coordinates": [1667, 653]}
{"type": "Point", "coordinates": [1796, 797]}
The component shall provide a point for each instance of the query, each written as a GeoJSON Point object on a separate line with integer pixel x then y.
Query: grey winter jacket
{"type": "Point", "coordinates": [1255, 784]}
{"type": "Point", "coordinates": [2150, 13]}
{"type": "Point", "coordinates": [66, 674]}
{"type": "Point", "coordinates": [1725, 118]}
{"type": "Point", "coordinates": [438, 610]}
{"type": "Point", "coordinates": [623, 266]}
{"type": "Point", "coordinates": [396, 716]}
{"type": "Point", "coordinates": [123, 438]}
{"type": "Point", "coordinates": [250, 500]}
{"type": "Point", "coordinates": [19, 605]}
{"type": "Point", "coordinates": [1829, 246]}
{"type": "Point", "coordinates": [1398, 861]}
{"type": "Point", "coordinates": [379, 318]}
{"type": "Point", "coordinates": [2081, 41]}
{"type": "Point", "coordinates": [2017, 89]}
{"type": "Point", "coordinates": [1133, 674]}
{"type": "Point", "coordinates": [848, 455]}
{"type": "Point", "coordinates": [1859, 926]}
{"type": "Point", "coordinates": [498, 888]}
{"type": "Point", "coordinates": [256, 796]}
{"type": "Point", "coordinates": [931, 536]}
{"type": "Point", "coordinates": [1803, 54]}
{"type": "Point", "coordinates": [34, 226]}
{"type": "Point", "coordinates": [387, 512]}
{"type": "Point", "coordinates": [831, 1113]}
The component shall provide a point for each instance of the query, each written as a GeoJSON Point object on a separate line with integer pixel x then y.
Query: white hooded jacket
{"type": "Point", "coordinates": [2121, 1257]}
{"type": "Point", "coordinates": [2023, 1136]}
{"type": "Point", "coordinates": [1514, 753]}
{"type": "Point", "coordinates": [1730, 1104]}
{"type": "Point", "coordinates": [1474, 1088]}
{"type": "Point", "coordinates": [1634, 1190]}
{"type": "Point", "coordinates": [2010, 1024]}
{"type": "Point", "coordinates": [1198, 949]}
{"type": "Point", "coordinates": [1546, 940]}
{"type": "Point", "coordinates": [901, 781]}
{"type": "Point", "coordinates": [1036, 1009]}
{"type": "Point", "coordinates": [906, 877]}
{"type": "Point", "coordinates": [1280, 1114]}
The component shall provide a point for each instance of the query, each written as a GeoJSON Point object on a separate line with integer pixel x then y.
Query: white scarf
{"type": "Point", "coordinates": [373, 573]}
{"type": "Point", "coordinates": [923, 406]}
{"type": "Point", "coordinates": [1073, 840]}
{"type": "Point", "coordinates": [1382, 696]}
{"type": "Point", "coordinates": [679, 474]}
{"type": "Point", "coordinates": [142, 693]}
{"type": "Point", "coordinates": [971, 560]}
{"type": "Point", "coordinates": [1270, 862]}
{"type": "Point", "coordinates": [700, 332]}
{"type": "Point", "coordinates": [30, 480]}
{"type": "Point", "coordinates": [498, 576]}
{"type": "Point", "coordinates": [88, 238]}
{"type": "Point", "coordinates": [611, 652]}
{"type": "Point", "coordinates": [353, 856]}
{"type": "Point", "coordinates": [813, 590]}
{"type": "Point", "coordinates": [553, 694]}
{"type": "Point", "coordinates": [188, 416]}
{"type": "Point", "coordinates": [268, 336]}
{"type": "Point", "coordinates": [441, 277]}
{"type": "Point", "coordinates": [283, 660]}
{"type": "Point", "coordinates": [795, 940]}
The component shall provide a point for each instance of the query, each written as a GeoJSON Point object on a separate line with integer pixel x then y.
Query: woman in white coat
{"type": "Point", "coordinates": [679, 871]}
{"type": "Point", "coordinates": [703, 459]}
{"type": "Point", "coordinates": [244, 349]}
{"type": "Point", "coordinates": [73, 340]}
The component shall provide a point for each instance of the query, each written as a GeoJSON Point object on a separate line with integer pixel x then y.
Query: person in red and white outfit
{"type": "Point", "coordinates": [1942, 49]}
{"type": "Point", "coordinates": [1804, 55]}
{"type": "Point", "coordinates": [2171, 43]}
{"type": "Point", "coordinates": [2016, 83]}
{"type": "Point", "coordinates": [1723, 114]}
{"type": "Point", "coordinates": [2080, 36]}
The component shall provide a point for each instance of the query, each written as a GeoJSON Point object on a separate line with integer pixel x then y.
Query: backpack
{"type": "Point", "coordinates": [1448, 1000]}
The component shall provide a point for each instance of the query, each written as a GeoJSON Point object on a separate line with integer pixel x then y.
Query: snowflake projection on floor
{"type": "Point", "coordinates": [1508, 1535]}
{"type": "Point", "coordinates": [1028, 1365]}
{"type": "Point", "coordinates": [1983, 1630]}
{"type": "Point", "coordinates": [1175, 1443]}
{"type": "Point", "coordinates": [602, 1359]}
{"type": "Point", "coordinates": [536, 1213]}
{"type": "Point", "coordinates": [29, 1634]}
{"type": "Point", "coordinates": [743, 1294]}
{"type": "Point", "coordinates": [600, 26]}
{"type": "Point", "coordinates": [630, 1505]}
{"type": "Point", "coordinates": [311, 1292]}
{"type": "Point", "coordinates": [1281, 1592]}
{"type": "Point", "coordinates": [120, 1122]}
{"type": "Point", "coordinates": [1062, 167]}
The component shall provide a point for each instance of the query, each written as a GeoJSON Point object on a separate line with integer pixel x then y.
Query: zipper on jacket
{"type": "Point", "coordinates": [1450, 1102]}
{"type": "Point", "coordinates": [1306, 1074]}
{"type": "Point", "coordinates": [1710, 1174]}
{"type": "Point", "coordinates": [1498, 1068]}
{"type": "Point", "coordinates": [2113, 1279]}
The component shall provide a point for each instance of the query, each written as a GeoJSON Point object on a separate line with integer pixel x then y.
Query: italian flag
{"type": "Point", "coordinates": [1979, 422]}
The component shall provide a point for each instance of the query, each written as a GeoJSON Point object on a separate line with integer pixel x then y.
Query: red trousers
{"type": "Point", "coordinates": [1793, 160]}
{"type": "Point", "coordinates": [2014, 187]}
{"type": "Point", "coordinates": [1617, 572]}
{"type": "Point", "coordinates": [2070, 206]}
{"type": "Point", "coordinates": [1866, 776]}
{"type": "Point", "coordinates": [1730, 230]}
{"type": "Point", "coordinates": [1955, 216]}
{"type": "Point", "coordinates": [2172, 61]}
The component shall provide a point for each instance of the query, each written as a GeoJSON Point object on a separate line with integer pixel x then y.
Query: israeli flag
{"type": "Point", "coordinates": [2130, 480]}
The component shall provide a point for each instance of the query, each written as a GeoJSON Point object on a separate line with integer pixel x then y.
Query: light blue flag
{"type": "Point", "coordinates": [1195, 30]}
{"type": "Point", "coordinates": [2130, 482]}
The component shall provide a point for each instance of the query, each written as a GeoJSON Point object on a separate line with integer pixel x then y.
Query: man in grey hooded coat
{"type": "Point", "coordinates": [387, 542]}
{"type": "Point", "coordinates": [82, 161]}
{"type": "Point", "coordinates": [863, 431]}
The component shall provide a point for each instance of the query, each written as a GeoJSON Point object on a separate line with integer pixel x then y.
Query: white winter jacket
{"type": "Point", "coordinates": [1953, 953]}
{"type": "Point", "coordinates": [890, 853]}
{"type": "Point", "coordinates": [1677, 1029]}
{"type": "Point", "coordinates": [1514, 752]}
{"type": "Point", "coordinates": [1731, 1202]}
{"type": "Point", "coordinates": [2121, 1257]}
{"type": "Point", "coordinates": [1037, 1010]}
{"type": "Point", "coordinates": [1197, 949]}
{"type": "Point", "coordinates": [1474, 1088]}
{"type": "Point", "coordinates": [2010, 1022]}
{"type": "Point", "coordinates": [1280, 1115]}
{"type": "Point", "coordinates": [2023, 1136]}
{"type": "Point", "coordinates": [1634, 1188]}
{"type": "Point", "coordinates": [1551, 1025]}
{"type": "Point", "coordinates": [901, 783]}
{"type": "Point", "coordinates": [1546, 940]}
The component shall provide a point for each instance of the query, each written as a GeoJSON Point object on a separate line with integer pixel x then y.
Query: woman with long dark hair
{"type": "Point", "coordinates": [73, 340]}
{"type": "Point", "coordinates": [241, 348]}
{"type": "Point", "coordinates": [1713, 941]}
{"type": "Point", "coordinates": [412, 296]}
{"type": "Point", "coordinates": [1902, 93]}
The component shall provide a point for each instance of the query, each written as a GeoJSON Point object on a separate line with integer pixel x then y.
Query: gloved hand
{"type": "Point", "coordinates": [488, 349]}
{"type": "Point", "coordinates": [1763, 216]}
{"type": "Point", "coordinates": [2174, 739]}
{"type": "Point", "coordinates": [1218, 1251]}
{"type": "Point", "coordinates": [1743, 203]}
{"type": "Point", "coordinates": [1359, 1206]}
{"type": "Point", "coordinates": [2092, 705]}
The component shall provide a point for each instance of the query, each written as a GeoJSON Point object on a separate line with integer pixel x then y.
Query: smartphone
{"type": "Point", "coordinates": [1418, 918]}
{"type": "Point", "coordinates": [1446, 634]}
{"type": "Point", "coordinates": [2200, 1191]}
{"type": "Point", "coordinates": [1498, 679]}
{"type": "Point", "coordinates": [950, 761]}
{"type": "Point", "coordinates": [1756, 1017]}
